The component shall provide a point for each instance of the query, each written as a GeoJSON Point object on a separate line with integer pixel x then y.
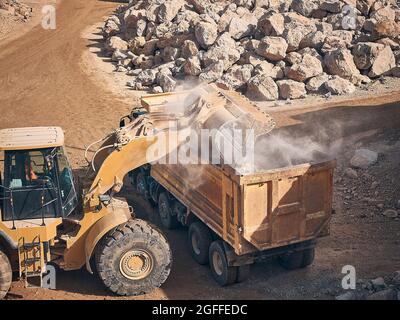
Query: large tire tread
{"type": "Point", "coordinates": [117, 242]}
{"type": "Point", "coordinates": [5, 275]}
{"type": "Point", "coordinates": [205, 240]}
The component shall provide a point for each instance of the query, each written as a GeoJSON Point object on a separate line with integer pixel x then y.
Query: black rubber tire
{"type": "Point", "coordinates": [136, 234]}
{"type": "Point", "coordinates": [226, 275]}
{"type": "Point", "coordinates": [142, 185]}
{"type": "Point", "coordinates": [243, 273]}
{"type": "Point", "coordinates": [297, 259]}
{"type": "Point", "coordinates": [133, 178]}
{"type": "Point", "coordinates": [308, 257]}
{"type": "Point", "coordinates": [168, 220]}
{"type": "Point", "coordinates": [198, 232]}
{"type": "Point", "coordinates": [5, 274]}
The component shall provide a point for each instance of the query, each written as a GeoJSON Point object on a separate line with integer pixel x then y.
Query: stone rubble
{"type": "Point", "coordinates": [268, 50]}
{"type": "Point", "coordinates": [15, 8]}
{"type": "Point", "coordinates": [381, 288]}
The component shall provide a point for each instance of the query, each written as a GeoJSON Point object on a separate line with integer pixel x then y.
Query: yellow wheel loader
{"type": "Point", "coordinates": [52, 214]}
{"type": "Point", "coordinates": [45, 218]}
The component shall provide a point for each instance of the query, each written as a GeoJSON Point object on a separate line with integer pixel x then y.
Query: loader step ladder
{"type": "Point", "coordinates": [31, 261]}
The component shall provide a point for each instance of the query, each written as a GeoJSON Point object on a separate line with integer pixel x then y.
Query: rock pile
{"type": "Point", "coordinates": [387, 288]}
{"type": "Point", "coordinates": [267, 49]}
{"type": "Point", "coordinates": [15, 8]}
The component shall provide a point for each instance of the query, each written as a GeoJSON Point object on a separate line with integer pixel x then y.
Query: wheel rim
{"type": "Point", "coordinates": [217, 263]}
{"type": "Point", "coordinates": [195, 243]}
{"type": "Point", "coordinates": [136, 264]}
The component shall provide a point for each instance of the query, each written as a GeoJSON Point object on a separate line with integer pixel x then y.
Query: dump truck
{"type": "Point", "coordinates": [52, 214]}
{"type": "Point", "coordinates": [236, 217]}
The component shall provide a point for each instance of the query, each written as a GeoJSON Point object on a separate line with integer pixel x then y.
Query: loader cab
{"type": "Point", "coordinates": [36, 180]}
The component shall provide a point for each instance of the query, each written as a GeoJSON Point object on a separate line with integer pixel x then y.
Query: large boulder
{"type": "Point", "coordinates": [365, 53]}
{"type": "Point", "coordinates": [225, 50]}
{"type": "Point", "coordinates": [262, 87]}
{"type": "Point", "coordinates": [294, 33]}
{"type": "Point", "coordinates": [317, 84]}
{"type": "Point", "coordinates": [112, 26]}
{"type": "Point", "coordinates": [167, 83]}
{"type": "Point", "coordinates": [192, 66]}
{"type": "Point", "coordinates": [363, 158]}
{"type": "Point", "coordinates": [147, 77]}
{"type": "Point", "coordinates": [384, 13]}
{"type": "Point", "coordinates": [168, 10]}
{"type": "Point", "coordinates": [272, 25]}
{"type": "Point", "coordinates": [290, 89]}
{"type": "Point", "coordinates": [189, 49]}
{"type": "Point", "coordinates": [333, 43]}
{"type": "Point", "coordinates": [384, 62]}
{"type": "Point", "coordinates": [364, 6]}
{"type": "Point", "coordinates": [272, 48]}
{"type": "Point", "coordinates": [331, 6]}
{"type": "Point", "coordinates": [274, 71]}
{"type": "Point", "coordinates": [386, 28]}
{"type": "Point", "coordinates": [206, 34]}
{"type": "Point", "coordinates": [113, 43]}
{"type": "Point", "coordinates": [170, 54]}
{"type": "Point", "coordinates": [213, 72]}
{"type": "Point", "coordinates": [236, 77]}
{"type": "Point", "coordinates": [225, 19]}
{"type": "Point", "coordinates": [313, 40]}
{"type": "Point", "coordinates": [308, 67]}
{"type": "Point", "coordinates": [242, 26]}
{"type": "Point", "coordinates": [304, 7]}
{"type": "Point", "coordinates": [339, 86]}
{"type": "Point", "coordinates": [340, 62]}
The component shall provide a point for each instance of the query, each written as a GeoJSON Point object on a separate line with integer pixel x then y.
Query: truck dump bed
{"type": "Point", "coordinates": [259, 211]}
{"type": "Point", "coordinates": [253, 211]}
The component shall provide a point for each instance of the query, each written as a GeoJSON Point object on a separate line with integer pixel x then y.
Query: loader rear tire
{"type": "Point", "coordinates": [199, 240]}
{"type": "Point", "coordinates": [5, 274]}
{"type": "Point", "coordinates": [220, 270]}
{"type": "Point", "coordinates": [297, 259]}
{"type": "Point", "coordinates": [165, 204]}
{"type": "Point", "coordinates": [134, 258]}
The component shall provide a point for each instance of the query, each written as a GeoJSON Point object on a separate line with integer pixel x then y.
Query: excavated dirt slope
{"type": "Point", "coordinates": [42, 83]}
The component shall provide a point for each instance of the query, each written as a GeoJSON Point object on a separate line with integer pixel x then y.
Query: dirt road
{"type": "Point", "coordinates": [42, 83]}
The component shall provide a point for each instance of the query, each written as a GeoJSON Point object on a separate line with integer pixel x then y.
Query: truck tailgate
{"type": "Point", "coordinates": [287, 205]}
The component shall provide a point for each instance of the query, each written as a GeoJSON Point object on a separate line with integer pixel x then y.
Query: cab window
{"type": "Point", "coordinates": [69, 198]}
{"type": "Point", "coordinates": [30, 181]}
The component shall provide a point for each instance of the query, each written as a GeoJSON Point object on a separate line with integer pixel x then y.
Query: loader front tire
{"type": "Point", "coordinates": [134, 258]}
{"type": "Point", "coordinates": [5, 274]}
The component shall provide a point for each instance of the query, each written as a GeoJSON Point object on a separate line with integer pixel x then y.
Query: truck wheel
{"type": "Point", "coordinates": [243, 273]}
{"type": "Point", "coordinates": [134, 258]}
{"type": "Point", "coordinates": [199, 240]}
{"type": "Point", "coordinates": [141, 184]}
{"type": "Point", "coordinates": [308, 257]}
{"type": "Point", "coordinates": [168, 220]}
{"type": "Point", "coordinates": [221, 272]}
{"type": "Point", "coordinates": [297, 259]}
{"type": "Point", "coordinates": [133, 178]}
{"type": "Point", "coordinates": [5, 275]}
